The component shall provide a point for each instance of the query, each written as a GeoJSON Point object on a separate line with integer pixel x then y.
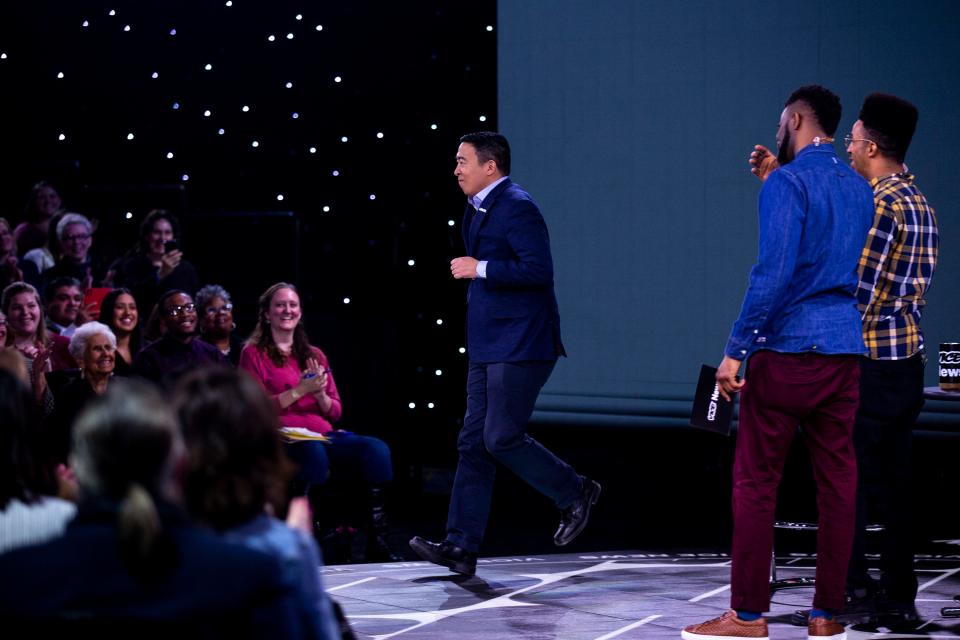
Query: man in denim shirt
{"type": "Point", "coordinates": [800, 327]}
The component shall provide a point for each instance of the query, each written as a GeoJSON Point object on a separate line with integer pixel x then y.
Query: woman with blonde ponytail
{"type": "Point", "coordinates": [131, 560]}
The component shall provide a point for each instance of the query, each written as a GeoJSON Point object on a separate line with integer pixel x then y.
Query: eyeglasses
{"type": "Point", "coordinates": [212, 311]}
{"type": "Point", "coordinates": [173, 312]}
{"type": "Point", "coordinates": [848, 139]}
{"type": "Point", "coordinates": [76, 238]}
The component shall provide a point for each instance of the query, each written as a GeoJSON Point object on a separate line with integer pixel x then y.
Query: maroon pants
{"type": "Point", "coordinates": [782, 391]}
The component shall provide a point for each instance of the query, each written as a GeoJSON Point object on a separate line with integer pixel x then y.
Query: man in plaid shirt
{"type": "Point", "coordinates": [895, 270]}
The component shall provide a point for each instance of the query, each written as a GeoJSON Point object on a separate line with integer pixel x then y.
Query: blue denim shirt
{"type": "Point", "coordinates": [814, 216]}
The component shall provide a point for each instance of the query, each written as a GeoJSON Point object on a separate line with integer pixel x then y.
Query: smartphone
{"type": "Point", "coordinates": [170, 245]}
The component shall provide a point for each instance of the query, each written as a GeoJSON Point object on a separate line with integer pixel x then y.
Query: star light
{"type": "Point", "coordinates": [206, 114]}
{"type": "Point", "coordinates": [154, 75]}
{"type": "Point", "coordinates": [86, 23]}
{"type": "Point", "coordinates": [438, 372]}
{"type": "Point", "coordinates": [379, 135]}
{"type": "Point", "coordinates": [126, 27]}
{"type": "Point", "coordinates": [176, 105]}
{"type": "Point", "coordinates": [489, 27]}
{"type": "Point", "coordinates": [271, 38]}
{"type": "Point", "coordinates": [220, 132]}
{"type": "Point", "coordinates": [295, 115]}
{"type": "Point", "coordinates": [184, 177]}
{"type": "Point", "coordinates": [344, 139]}
{"type": "Point", "coordinates": [326, 209]}
{"type": "Point", "coordinates": [450, 223]}
{"type": "Point", "coordinates": [430, 405]}
{"type": "Point", "coordinates": [346, 301]}
{"type": "Point", "coordinates": [439, 320]}
{"type": "Point", "coordinates": [411, 263]}
{"type": "Point", "coordinates": [254, 144]}
{"type": "Point", "coordinates": [279, 197]}
{"type": "Point", "coordinates": [111, 12]}
{"type": "Point", "coordinates": [208, 66]}
{"type": "Point", "coordinates": [228, 3]}
{"type": "Point", "coordinates": [337, 79]}
{"type": "Point", "coordinates": [289, 85]}
{"type": "Point", "coordinates": [60, 76]}
{"type": "Point", "coordinates": [462, 350]}
{"type": "Point", "coordinates": [373, 196]}
{"type": "Point", "coordinates": [245, 108]}
{"type": "Point", "coordinates": [289, 36]}
{"type": "Point", "coordinates": [433, 127]}
{"type": "Point", "coordinates": [129, 136]}
{"type": "Point", "coordinates": [298, 17]}
{"type": "Point", "coordinates": [335, 173]}
{"type": "Point", "coordinates": [483, 118]}
{"type": "Point", "coordinates": [319, 27]}
{"type": "Point", "coordinates": [412, 405]}
{"type": "Point", "coordinates": [169, 155]}
{"type": "Point", "coordinates": [173, 32]}
{"type": "Point", "coordinates": [129, 215]}
{"type": "Point", "coordinates": [61, 137]}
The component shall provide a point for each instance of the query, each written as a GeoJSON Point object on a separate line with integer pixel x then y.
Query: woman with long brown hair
{"type": "Point", "coordinates": [297, 376]}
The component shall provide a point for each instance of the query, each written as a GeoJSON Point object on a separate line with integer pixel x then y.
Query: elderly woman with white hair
{"type": "Point", "coordinates": [94, 347]}
{"type": "Point", "coordinates": [217, 327]}
{"type": "Point", "coordinates": [75, 237]}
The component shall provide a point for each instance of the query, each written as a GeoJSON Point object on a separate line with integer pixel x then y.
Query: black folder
{"type": "Point", "coordinates": [710, 410]}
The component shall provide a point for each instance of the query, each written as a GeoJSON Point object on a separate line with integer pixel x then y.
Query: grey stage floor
{"type": "Point", "coordinates": [629, 594]}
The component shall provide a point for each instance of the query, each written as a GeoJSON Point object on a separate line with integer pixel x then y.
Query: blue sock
{"type": "Point", "coordinates": [821, 613]}
{"type": "Point", "coordinates": [747, 616]}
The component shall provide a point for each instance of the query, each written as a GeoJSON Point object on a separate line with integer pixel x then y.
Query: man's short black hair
{"type": "Point", "coordinates": [59, 283]}
{"type": "Point", "coordinates": [491, 146]}
{"type": "Point", "coordinates": [890, 122]}
{"type": "Point", "coordinates": [824, 103]}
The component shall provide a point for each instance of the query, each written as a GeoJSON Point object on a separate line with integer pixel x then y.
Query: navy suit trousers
{"type": "Point", "coordinates": [500, 400]}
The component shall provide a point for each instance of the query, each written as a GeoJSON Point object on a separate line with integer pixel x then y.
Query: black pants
{"type": "Point", "coordinates": [891, 397]}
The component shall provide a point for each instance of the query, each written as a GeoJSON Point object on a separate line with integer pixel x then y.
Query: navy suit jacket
{"type": "Point", "coordinates": [512, 314]}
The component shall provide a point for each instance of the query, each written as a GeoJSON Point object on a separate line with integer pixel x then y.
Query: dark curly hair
{"type": "Point", "coordinates": [824, 103]}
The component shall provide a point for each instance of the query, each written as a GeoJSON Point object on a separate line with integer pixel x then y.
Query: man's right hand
{"type": "Point", "coordinates": [762, 162]}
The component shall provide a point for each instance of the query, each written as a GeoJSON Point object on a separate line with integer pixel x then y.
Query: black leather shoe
{"type": "Point", "coordinates": [446, 554]}
{"type": "Point", "coordinates": [574, 518]}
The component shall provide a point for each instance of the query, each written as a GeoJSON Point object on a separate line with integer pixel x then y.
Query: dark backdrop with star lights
{"type": "Point", "coordinates": [297, 141]}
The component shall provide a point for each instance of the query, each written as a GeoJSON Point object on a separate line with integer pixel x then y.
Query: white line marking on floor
{"type": "Point", "coordinates": [704, 596]}
{"type": "Point", "coordinates": [946, 574]}
{"type": "Point", "coordinates": [614, 634]}
{"type": "Point", "coordinates": [351, 584]}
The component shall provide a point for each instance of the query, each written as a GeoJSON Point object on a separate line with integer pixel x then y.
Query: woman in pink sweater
{"type": "Point", "coordinates": [297, 376]}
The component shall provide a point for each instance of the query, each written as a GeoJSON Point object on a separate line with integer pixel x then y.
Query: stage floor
{"type": "Point", "coordinates": [595, 596]}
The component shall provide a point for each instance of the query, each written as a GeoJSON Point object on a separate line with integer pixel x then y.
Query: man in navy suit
{"type": "Point", "coordinates": [513, 341]}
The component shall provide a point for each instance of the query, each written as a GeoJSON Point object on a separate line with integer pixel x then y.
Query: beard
{"type": "Point", "coordinates": [784, 154]}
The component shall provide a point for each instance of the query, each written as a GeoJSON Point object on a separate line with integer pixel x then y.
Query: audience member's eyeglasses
{"type": "Point", "coordinates": [848, 139]}
{"type": "Point", "coordinates": [212, 311]}
{"type": "Point", "coordinates": [77, 237]}
{"type": "Point", "coordinates": [173, 312]}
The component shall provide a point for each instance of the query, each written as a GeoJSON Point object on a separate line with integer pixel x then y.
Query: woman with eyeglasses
{"type": "Point", "coordinates": [215, 310]}
{"type": "Point", "coordinates": [177, 351]}
{"type": "Point", "coordinates": [74, 234]}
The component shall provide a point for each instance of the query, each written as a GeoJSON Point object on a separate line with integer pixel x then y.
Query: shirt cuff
{"type": "Point", "coordinates": [482, 269]}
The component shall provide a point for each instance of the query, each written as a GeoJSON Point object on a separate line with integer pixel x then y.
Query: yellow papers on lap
{"type": "Point", "coordinates": [299, 434]}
